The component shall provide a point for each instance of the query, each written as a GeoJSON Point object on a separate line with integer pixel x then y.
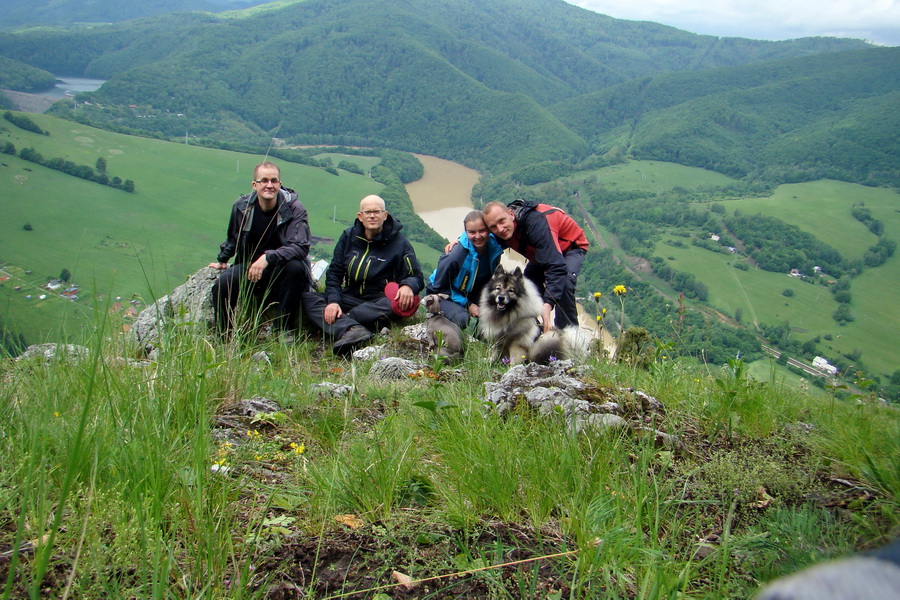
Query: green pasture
{"type": "Point", "coordinates": [141, 244]}
{"type": "Point", "coordinates": [656, 176]}
{"type": "Point", "coordinates": [363, 162]}
{"type": "Point", "coordinates": [822, 208]}
{"type": "Point", "coordinates": [759, 295]}
{"type": "Point", "coordinates": [756, 292]}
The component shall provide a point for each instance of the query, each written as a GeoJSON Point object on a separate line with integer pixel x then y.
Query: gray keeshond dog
{"type": "Point", "coordinates": [509, 310]}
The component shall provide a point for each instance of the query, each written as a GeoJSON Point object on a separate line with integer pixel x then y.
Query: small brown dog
{"type": "Point", "coordinates": [443, 335]}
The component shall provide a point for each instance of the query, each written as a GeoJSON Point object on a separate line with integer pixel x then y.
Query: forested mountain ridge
{"type": "Point", "coordinates": [24, 13]}
{"type": "Point", "coordinates": [786, 120]}
{"type": "Point", "coordinates": [466, 80]}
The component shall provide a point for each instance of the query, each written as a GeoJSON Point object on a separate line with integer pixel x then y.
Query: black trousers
{"type": "Point", "coordinates": [566, 309]}
{"type": "Point", "coordinates": [282, 284]}
{"type": "Point", "coordinates": [368, 313]}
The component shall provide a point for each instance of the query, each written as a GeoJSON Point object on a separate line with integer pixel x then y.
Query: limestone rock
{"type": "Point", "coordinates": [328, 389]}
{"type": "Point", "coordinates": [393, 368]}
{"type": "Point", "coordinates": [190, 302]}
{"type": "Point", "coordinates": [54, 351]}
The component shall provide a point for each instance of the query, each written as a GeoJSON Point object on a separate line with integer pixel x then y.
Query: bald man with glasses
{"type": "Point", "coordinates": [268, 236]}
{"type": "Point", "coordinates": [374, 279]}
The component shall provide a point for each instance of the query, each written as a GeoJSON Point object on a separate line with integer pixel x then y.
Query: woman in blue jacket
{"type": "Point", "coordinates": [463, 272]}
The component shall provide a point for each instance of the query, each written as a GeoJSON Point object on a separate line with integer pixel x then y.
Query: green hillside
{"type": "Point", "coordinates": [146, 243]}
{"type": "Point", "coordinates": [788, 120]}
{"type": "Point", "coordinates": [470, 81]}
{"type": "Point", "coordinates": [23, 13]}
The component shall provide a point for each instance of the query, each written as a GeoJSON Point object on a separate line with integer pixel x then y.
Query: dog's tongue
{"type": "Point", "coordinates": [501, 306]}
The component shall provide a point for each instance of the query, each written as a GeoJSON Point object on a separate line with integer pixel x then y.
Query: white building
{"type": "Point", "coordinates": [821, 363]}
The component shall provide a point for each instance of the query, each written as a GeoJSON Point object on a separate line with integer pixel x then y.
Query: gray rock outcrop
{"type": "Point", "coordinates": [190, 302]}
{"type": "Point", "coordinates": [560, 389]}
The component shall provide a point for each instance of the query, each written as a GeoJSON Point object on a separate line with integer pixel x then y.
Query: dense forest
{"type": "Point", "coordinates": [497, 85]}
{"type": "Point", "coordinates": [19, 13]}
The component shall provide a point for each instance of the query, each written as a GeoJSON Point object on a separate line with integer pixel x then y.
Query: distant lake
{"type": "Point", "coordinates": [72, 85]}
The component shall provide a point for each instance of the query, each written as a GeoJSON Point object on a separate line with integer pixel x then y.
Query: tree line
{"type": "Point", "coordinates": [70, 168]}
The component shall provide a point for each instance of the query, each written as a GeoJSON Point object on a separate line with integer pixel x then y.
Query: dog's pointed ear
{"type": "Point", "coordinates": [518, 271]}
{"type": "Point", "coordinates": [499, 270]}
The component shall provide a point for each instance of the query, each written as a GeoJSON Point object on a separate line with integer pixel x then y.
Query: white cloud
{"type": "Point", "coordinates": [877, 21]}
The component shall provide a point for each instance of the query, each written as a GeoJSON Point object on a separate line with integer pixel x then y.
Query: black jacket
{"type": "Point", "coordinates": [292, 229]}
{"type": "Point", "coordinates": [361, 268]}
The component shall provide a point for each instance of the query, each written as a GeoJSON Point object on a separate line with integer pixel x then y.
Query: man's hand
{"type": "Point", "coordinates": [548, 323]}
{"type": "Point", "coordinates": [256, 269]}
{"type": "Point", "coordinates": [449, 246]}
{"type": "Point", "coordinates": [405, 297]}
{"type": "Point", "coordinates": [473, 310]}
{"type": "Point", "coordinates": [218, 266]}
{"type": "Point", "coordinates": [333, 312]}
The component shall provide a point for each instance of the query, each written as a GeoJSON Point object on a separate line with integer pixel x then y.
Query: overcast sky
{"type": "Point", "coordinates": [876, 21]}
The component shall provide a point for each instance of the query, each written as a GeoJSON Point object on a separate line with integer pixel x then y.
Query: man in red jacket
{"type": "Point", "coordinates": [554, 245]}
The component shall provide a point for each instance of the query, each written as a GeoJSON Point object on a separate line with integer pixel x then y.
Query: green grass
{"type": "Point", "coordinates": [765, 369]}
{"type": "Point", "coordinates": [656, 176]}
{"type": "Point", "coordinates": [146, 243]}
{"type": "Point", "coordinates": [823, 209]}
{"type": "Point", "coordinates": [756, 292]}
{"type": "Point", "coordinates": [113, 462]}
{"type": "Point", "coordinates": [363, 162]}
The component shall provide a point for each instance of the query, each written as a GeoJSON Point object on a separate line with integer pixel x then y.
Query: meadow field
{"type": "Point", "coordinates": [655, 176]}
{"type": "Point", "coordinates": [133, 245]}
{"type": "Point", "coordinates": [821, 208]}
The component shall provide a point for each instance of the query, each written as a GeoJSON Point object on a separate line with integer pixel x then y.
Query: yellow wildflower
{"type": "Point", "coordinates": [597, 295]}
{"type": "Point", "coordinates": [620, 290]}
{"type": "Point", "coordinates": [298, 448]}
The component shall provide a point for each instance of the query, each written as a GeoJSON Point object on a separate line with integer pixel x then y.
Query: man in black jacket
{"type": "Point", "coordinates": [374, 278]}
{"type": "Point", "coordinates": [268, 236]}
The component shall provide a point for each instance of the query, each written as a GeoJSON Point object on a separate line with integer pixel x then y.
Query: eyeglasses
{"type": "Point", "coordinates": [371, 213]}
{"type": "Point", "coordinates": [267, 181]}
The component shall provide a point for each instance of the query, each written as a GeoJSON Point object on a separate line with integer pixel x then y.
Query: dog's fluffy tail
{"type": "Point", "coordinates": [560, 344]}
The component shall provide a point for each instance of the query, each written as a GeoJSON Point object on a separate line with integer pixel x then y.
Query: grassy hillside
{"type": "Point", "coordinates": [823, 209]}
{"type": "Point", "coordinates": [148, 481]}
{"type": "Point", "coordinates": [145, 243]}
{"type": "Point", "coordinates": [469, 81]}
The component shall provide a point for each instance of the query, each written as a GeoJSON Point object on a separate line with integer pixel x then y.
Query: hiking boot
{"type": "Point", "coordinates": [351, 338]}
